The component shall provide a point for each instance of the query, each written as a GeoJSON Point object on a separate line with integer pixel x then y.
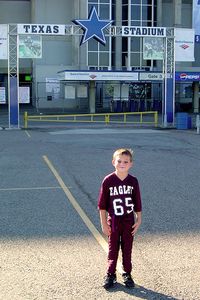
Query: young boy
{"type": "Point", "coordinates": [120, 209]}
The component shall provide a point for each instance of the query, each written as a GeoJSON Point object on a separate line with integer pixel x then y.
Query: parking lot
{"type": "Point", "coordinates": [50, 238]}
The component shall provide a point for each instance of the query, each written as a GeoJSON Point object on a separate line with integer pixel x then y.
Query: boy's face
{"type": "Point", "coordinates": [122, 163]}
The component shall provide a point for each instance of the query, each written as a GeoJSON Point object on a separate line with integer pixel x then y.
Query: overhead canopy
{"type": "Point", "coordinates": [98, 75]}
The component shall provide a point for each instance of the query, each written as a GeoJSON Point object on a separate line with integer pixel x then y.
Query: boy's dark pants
{"type": "Point", "coordinates": [121, 235]}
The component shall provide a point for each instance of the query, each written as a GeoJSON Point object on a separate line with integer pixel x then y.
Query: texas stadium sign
{"type": "Point", "coordinates": [143, 31]}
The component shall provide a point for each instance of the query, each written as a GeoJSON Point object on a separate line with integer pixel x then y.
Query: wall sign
{"type": "Point", "coordinates": [30, 46]}
{"type": "Point", "coordinates": [105, 76]}
{"type": "Point", "coordinates": [143, 31]}
{"type": "Point", "coordinates": [187, 76]}
{"type": "Point", "coordinates": [45, 29]}
{"type": "Point", "coordinates": [3, 41]}
{"type": "Point", "coordinates": [184, 44]}
{"type": "Point", "coordinates": [2, 95]}
{"type": "Point", "coordinates": [151, 76]}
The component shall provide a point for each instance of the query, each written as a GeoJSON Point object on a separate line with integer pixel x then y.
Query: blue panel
{"type": "Point", "coordinates": [187, 76]}
{"type": "Point", "coordinates": [169, 99]}
{"type": "Point", "coordinates": [197, 38]}
{"type": "Point", "coordinates": [14, 107]}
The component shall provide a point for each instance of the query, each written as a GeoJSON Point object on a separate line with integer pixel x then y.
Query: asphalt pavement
{"type": "Point", "coordinates": [50, 235]}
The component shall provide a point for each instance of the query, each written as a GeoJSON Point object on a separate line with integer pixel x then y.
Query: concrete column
{"type": "Point", "coordinates": [118, 40]}
{"type": "Point", "coordinates": [79, 52]}
{"type": "Point", "coordinates": [159, 13]}
{"type": "Point", "coordinates": [159, 63]}
{"type": "Point", "coordinates": [92, 97]}
{"type": "Point", "coordinates": [75, 39]}
{"type": "Point", "coordinates": [83, 14]}
{"type": "Point", "coordinates": [177, 7]}
{"type": "Point", "coordinates": [196, 97]}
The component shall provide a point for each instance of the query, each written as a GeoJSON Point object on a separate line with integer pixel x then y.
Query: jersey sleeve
{"type": "Point", "coordinates": [103, 196]}
{"type": "Point", "coordinates": [137, 198]}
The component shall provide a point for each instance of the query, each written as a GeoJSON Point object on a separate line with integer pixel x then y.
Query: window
{"type": "Point", "coordinates": [142, 13]}
{"type": "Point", "coordinates": [100, 56]}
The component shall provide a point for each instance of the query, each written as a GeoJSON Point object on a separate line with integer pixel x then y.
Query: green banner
{"type": "Point", "coordinates": [30, 46]}
{"type": "Point", "coordinates": [153, 48]}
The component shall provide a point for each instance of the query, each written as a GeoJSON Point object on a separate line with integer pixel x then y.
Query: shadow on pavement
{"type": "Point", "coordinates": [141, 292]}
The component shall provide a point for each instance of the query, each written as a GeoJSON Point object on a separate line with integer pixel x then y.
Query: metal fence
{"type": "Point", "coordinates": [140, 118]}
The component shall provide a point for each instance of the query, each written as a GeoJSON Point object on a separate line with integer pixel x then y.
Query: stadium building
{"type": "Point", "coordinates": [118, 66]}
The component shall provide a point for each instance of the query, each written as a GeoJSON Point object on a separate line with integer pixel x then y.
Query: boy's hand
{"type": "Point", "coordinates": [104, 225]}
{"type": "Point", "coordinates": [138, 222]}
{"type": "Point", "coordinates": [106, 229]}
{"type": "Point", "coordinates": [135, 227]}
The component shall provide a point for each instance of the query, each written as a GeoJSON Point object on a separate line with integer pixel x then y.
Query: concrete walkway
{"type": "Point", "coordinates": [49, 251]}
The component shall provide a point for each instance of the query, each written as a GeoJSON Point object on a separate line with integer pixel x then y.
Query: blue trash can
{"type": "Point", "coordinates": [189, 123]}
{"type": "Point", "coordinates": [182, 121]}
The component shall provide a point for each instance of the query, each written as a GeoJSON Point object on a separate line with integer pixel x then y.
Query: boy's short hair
{"type": "Point", "coordinates": [123, 151]}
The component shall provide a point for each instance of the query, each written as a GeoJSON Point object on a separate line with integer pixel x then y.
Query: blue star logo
{"type": "Point", "coordinates": [93, 27]}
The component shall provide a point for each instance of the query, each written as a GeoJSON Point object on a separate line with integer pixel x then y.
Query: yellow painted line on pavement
{"type": "Point", "coordinates": [27, 133]}
{"type": "Point", "coordinates": [100, 239]}
{"type": "Point", "coordinates": [30, 188]}
{"type": "Point", "coordinates": [97, 235]}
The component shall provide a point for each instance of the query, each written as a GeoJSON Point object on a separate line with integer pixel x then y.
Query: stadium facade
{"type": "Point", "coordinates": [118, 69]}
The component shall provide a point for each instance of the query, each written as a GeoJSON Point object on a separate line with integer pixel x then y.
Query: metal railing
{"type": "Point", "coordinates": [140, 118]}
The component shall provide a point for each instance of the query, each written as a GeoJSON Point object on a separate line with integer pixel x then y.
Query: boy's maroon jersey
{"type": "Point", "coordinates": [120, 197]}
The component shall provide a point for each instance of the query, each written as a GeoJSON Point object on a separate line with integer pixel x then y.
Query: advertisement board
{"type": "Point", "coordinates": [153, 48]}
{"type": "Point", "coordinates": [30, 46]}
{"type": "Point", "coordinates": [2, 95]}
{"type": "Point", "coordinates": [187, 76]}
{"type": "Point", "coordinates": [184, 44]}
{"type": "Point", "coordinates": [24, 94]}
{"type": "Point", "coordinates": [3, 41]}
{"type": "Point", "coordinates": [105, 76]}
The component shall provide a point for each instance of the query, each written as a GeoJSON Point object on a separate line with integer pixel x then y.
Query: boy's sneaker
{"type": "Point", "coordinates": [128, 281]}
{"type": "Point", "coordinates": [110, 279]}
